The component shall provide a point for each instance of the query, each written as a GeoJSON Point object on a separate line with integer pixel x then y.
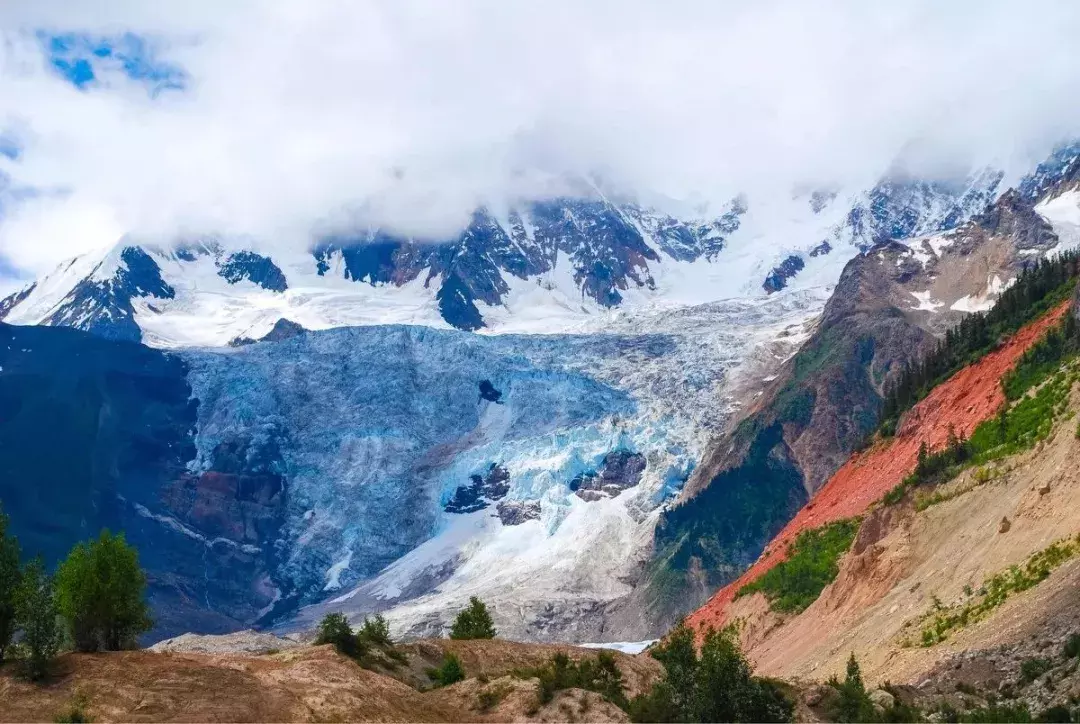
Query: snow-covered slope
{"type": "Point", "coordinates": [551, 266]}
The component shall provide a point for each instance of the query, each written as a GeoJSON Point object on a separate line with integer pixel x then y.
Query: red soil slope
{"type": "Point", "coordinates": [967, 398]}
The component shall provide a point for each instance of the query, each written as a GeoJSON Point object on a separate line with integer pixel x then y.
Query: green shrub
{"type": "Point", "coordinates": [99, 593]}
{"type": "Point", "coordinates": [854, 704]}
{"type": "Point", "coordinates": [75, 712]}
{"type": "Point", "coordinates": [35, 614]}
{"type": "Point", "coordinates": [716, 686]}
{"type": "Point", "coordinates": [1031, 669]}
{"type": "Point", "coordinates": [335, 629]}
{"type": "Point", "coordinates": [895, 494]}
{"type": "Point", "coordinates": [1058, 713]}
{"type": "Point", "coordinates": [1071, 649]}
{"type": "Point", "coordinates": [995, 714]}
{"type": "Point", "coordinates": [812, 564]}
{"type": "Point", "coordinates": [1044, 357]}
{"type": "Point", "coordinates": [490, 697]}
{"type": "Point", "coordinates": [449, 672]}
{"type": "Point", "coordinates": [474, 622]}
{"type": "Point", "coordinates": [600, 674]}
{"type": "Point", "coordinates": [10, 576]}
{"type": "Point", "coordinates": [944, 619]}
{"type": "Point", "coordinates": [375, 630]}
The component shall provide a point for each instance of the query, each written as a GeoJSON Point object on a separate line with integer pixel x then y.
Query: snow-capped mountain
{"type": "Point", "coordinates": [366, 455]}
{"type": "Point", "coordinates": [547, 266]}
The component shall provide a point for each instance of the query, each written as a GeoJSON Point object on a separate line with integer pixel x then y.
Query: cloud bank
{"type": "Point", "coordinates": [280, 117]}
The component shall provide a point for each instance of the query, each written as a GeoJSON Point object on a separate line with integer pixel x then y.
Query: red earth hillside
{"type": "Point", "coordinates": [967, 398]}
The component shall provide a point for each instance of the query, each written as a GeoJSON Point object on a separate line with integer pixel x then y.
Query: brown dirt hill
{"type": "Point", "coordinates": [970, 396]}
{"type": "Point", "coordinates": [310, 683]}
{"type": "Point", "coordinates": [906, 562]}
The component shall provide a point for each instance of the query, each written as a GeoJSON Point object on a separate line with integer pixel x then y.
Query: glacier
{"type": "Point", "coordinates": [378, 430]}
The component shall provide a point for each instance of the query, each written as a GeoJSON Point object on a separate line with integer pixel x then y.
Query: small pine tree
{"type": "Point", "coordinates": [678, 654]}
{"type": "Point", "coordinates": [474, 622]}
{"type": "Point", "coordinates": [10, 577]}
{"type": "Point", "coordinates": [449, 672]}
{"type": "Point", "coordinates": [375, 630]}
{"type": "Point", "coordinates": [36, 616]}
{"type": "Point", "coordinates": [335, 629]}
{"type": "Point", "coordinates": [854, 704]}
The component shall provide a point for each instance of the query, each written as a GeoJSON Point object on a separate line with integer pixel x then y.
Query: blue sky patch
{"type": "Point", "coordinates": [10, 147]}
{"type": "Point", "coordinates": [84, 60]}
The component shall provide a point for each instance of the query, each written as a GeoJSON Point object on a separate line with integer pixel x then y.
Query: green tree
{"type": "Point", "coordinates": [474, 622]}
{"type": "Point", "coordinates": [678, 654]}
{"type": "Point", "coordinates": [99, 590]}
{"type": "Point", "coordinates": [10, 576]}
{"type": "Point", "coordinates": [449, 672]}
{"type": "Point", "coordinates": [335, 629]}
{"type": "Point", "coordinates": [375, 630]}
{"type": "Point", "coordinates": [35, 610]}
{"type": "Point", "coordinates": [717, 686]}
{"type": "Point", "coordinates": [854, 704]}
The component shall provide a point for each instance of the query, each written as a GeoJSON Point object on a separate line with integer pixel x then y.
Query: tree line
{"type": "Point", "coordinates": [93, 601]}
{"type": "Point", "coordinates": [1039, 287]}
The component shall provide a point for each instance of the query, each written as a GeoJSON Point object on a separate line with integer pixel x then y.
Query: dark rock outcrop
{"type": "Point", "coordinates": [516, 512]}
{"type": "Point", "coordinates": [601, 240]}
{"type": "Point", "coordinates": [255, 268]}
{"type": "Point", "coordinates": [489, 393]}
{"type": "Point", "coordinates": [481, 491]}
{"type": "Point", "coordinates": [618, 471]}
{"type": "Point", "coordinates": [103, 306]}
{"type": "Point", "coordinates": [785, 270]}
{"type": "Point", "coordinates": [282, 329]}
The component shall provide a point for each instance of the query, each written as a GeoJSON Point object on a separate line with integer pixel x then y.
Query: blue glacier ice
{"type": "Point", "coordinates": [375, 429]}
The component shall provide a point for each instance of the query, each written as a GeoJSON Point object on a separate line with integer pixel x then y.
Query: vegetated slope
{"type": "Point", "coordinates": [310, 684]}
{"type": "Point", "coordinates": [964, 590]}
{"type": "Point", "coordinates": [889, 307]}
{"type": "Point", "coordinates": [967, 398]}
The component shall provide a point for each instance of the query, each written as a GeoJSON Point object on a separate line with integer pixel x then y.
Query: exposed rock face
{"type": "Point", "coordinates": [255, 268]}
{"type": "Point", "coordinates": [125, 417]}
{"type": "Point", "coordinates": [489, 393]}
{"type": "Point", "coordinates": [103, 306]}
{"type": "Point", "coordinates": [282, 329]}
{"type": "Point", "coordinates": [516, 512]}
{"type": "Point", "coordinates": [788, 268]}
{"type": "Point", "coordinates": [602, 241]}
{"type": "Point", "coordinates": [618, 471]}
{"type": "Point", "coordinates": [481, 491]}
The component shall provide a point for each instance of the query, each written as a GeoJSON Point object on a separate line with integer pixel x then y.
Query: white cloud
{"type": "Point", "coordinates": [298, 114]}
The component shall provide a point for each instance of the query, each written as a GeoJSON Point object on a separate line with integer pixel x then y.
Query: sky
{"type": "Point", "coordinates": [286, 119]}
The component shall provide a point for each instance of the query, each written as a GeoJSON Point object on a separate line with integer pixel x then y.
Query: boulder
{"type": "Point", "coordinates": [882, 699]}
